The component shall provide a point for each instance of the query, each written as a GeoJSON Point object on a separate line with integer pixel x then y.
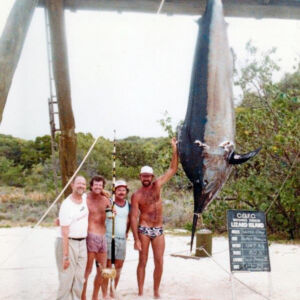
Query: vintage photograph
{"type": "Point", "coordinates": [149, 149]}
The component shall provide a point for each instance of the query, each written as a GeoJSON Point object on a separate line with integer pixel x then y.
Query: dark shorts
{"type": "Point", "coordinates": [151, 232]}
{"type": "Point", "coordinates": [96, 243]}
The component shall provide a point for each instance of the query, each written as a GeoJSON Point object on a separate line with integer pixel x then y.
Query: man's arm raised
{"type": "Point", "coordinates": [134, 213]}
{"type": "Point", "coordinates": [173, 166]}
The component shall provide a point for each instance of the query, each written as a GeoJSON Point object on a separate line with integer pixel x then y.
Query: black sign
{"type": "Point", "coordinates": [248, 242]}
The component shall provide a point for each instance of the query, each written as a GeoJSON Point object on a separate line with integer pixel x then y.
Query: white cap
{"type": "Point", "coordinates": [146, 170]}
{"type": "Point", "coordinates": [120, 183]}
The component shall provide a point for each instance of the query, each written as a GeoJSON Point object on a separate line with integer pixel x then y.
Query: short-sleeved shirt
{"type": "Point", "coordinates": [74, 215]}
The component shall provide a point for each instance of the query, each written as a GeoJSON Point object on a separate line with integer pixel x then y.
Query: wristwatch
{"type": "Point", "coordinates": [66, 258]}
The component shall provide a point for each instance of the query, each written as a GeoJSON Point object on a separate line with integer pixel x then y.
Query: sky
{"type": "Point", "coordinates": [126, 69]}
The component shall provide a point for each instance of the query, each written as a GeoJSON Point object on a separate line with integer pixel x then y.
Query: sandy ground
{"type": "Point", "coordinates": [28, 271]}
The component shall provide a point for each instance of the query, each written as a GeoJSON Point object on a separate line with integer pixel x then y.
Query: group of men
{"type": "Point", "coordinates": [85, 233]}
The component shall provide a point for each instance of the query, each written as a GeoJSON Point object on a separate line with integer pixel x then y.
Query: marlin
{"type": "Point", "coordinates": [206, 137]}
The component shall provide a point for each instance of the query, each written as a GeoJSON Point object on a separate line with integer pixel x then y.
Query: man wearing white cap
{"type": "Point", "coordinates": [146, 204]}
{"type": "Point", "coordinates": [122, 226]}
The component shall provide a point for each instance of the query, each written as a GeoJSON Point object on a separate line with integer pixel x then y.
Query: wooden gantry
{"type": "Point", "coordinates": [11, 44]}
{"type": "Point", "coordinates": [15, 30]}
{"type": "Point", "coordinates": [279, 9]}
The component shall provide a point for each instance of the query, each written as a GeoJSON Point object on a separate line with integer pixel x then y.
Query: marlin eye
{"type": "Point", "coordinates": [205, 182]}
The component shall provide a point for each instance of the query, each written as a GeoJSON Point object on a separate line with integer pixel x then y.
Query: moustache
{"type": "Point", "coordinates": [146, 182]}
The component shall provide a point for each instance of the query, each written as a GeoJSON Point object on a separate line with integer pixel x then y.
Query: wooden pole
{"type": "Point", "coordinates": [67, 141]}
{"type": "Point", "coordinates": [11, 44]}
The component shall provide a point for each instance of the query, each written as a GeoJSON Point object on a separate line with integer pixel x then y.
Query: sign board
{"type": "Point", "coordinates": [248, 242]}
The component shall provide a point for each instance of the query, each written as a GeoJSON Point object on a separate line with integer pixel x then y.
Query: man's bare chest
{"type": "Point", "coordinates": [149, 198]}
{"type": "Point", "coordinates": [96, 208]}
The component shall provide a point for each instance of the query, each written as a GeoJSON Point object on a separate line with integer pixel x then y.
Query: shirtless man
{"type": "Point", "coordinates": [97, 203]}
{"type": "Point", "coordinates": [146, 204]}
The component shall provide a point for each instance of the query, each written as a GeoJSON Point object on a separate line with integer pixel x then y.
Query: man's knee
{"type": "Point", "coordinates": [89, 267]}
{"type": "Point", "coordinates": [88, 271]}
{"type": "Point", "coordinates": [143, 261]}
{"type": "Point", "coordinates": [158, 261]}
{"type": "Point", "coordinates": [119, 264]}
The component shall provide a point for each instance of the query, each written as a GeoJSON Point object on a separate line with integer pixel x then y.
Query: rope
{"type": "Point", "coordinates": [51, 206]}
{"type": "Point", "coordinates": [160, 7]}
{"type": "Point", "coordinates": [283, 183]}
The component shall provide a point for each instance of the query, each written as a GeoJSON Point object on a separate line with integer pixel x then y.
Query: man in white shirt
{"type": "Point", "coordinates": [71, 251]}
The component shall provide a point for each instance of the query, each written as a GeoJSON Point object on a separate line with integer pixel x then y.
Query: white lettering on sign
{"type": "Point", "coordinates": [234, 238]}
{"type": "Point", "coordinates": [239, 224]}
{"type": "Point", "coordinates": [254, 220]}
{"type": "Point", "coordinates": [235, 232]}
{"type": "Point", "coordinates": [246, 215]}
{"type": "Point", "coordinates": [237, 252]}
{"type": "Point", "coordinates": [256, 225]}
{"type": "Point", "coordinates": [236, 245]}
{"type": "Point", "coordinates": [236, 267]}
{"type": "Point", "coordinates": [238, 259]}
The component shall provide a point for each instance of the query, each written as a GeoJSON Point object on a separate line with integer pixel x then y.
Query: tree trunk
{"type": "Point", "coordinates": [11, 44]}
{"type": "Point", "coordinates": [67, 141]}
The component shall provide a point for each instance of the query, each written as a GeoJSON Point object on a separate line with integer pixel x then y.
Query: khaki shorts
{"type": "Point", "coordinates": [120, 248]}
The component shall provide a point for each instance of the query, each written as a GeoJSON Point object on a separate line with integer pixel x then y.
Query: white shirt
{"type": "Point", "coordinates": [74, 215]}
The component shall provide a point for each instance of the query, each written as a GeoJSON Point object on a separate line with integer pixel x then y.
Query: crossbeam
{"type": "Point", "coordinates": [281, 9]}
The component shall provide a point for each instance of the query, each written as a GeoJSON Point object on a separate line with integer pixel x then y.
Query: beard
{"type": "Point", "coordinates": [146, 183]}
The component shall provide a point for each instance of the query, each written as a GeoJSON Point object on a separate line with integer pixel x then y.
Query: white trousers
{"type": "Point", "coordinates": [71, 280]}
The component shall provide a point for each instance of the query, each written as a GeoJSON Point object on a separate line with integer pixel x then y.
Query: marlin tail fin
{"type": "Point", "coordinates": [236, 159]}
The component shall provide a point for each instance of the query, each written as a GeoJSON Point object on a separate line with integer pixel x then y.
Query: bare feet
{"type": "Point", "coordinates": [156, 295]}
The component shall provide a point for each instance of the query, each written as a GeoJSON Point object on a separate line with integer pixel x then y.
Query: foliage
{"type": "Point", "coordinates": [23, 152]}
{"type": "Point", "coordinates": [9, 173]}
{"type": "Point", "coordinates": [268, 117]}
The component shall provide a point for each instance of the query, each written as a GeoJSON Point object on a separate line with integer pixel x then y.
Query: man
{"type": "Point", "coordinates": [122, 226]}
{"type": "Point", "coordinates": [146, 204]}
{"type": "Point", "coordinates": [71, 255]}
{"type": "Point", "coordinates": [97, 202]}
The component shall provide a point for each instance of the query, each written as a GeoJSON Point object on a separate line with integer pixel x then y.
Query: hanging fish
{"type": "Point", "coordinates": [206, 138]}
